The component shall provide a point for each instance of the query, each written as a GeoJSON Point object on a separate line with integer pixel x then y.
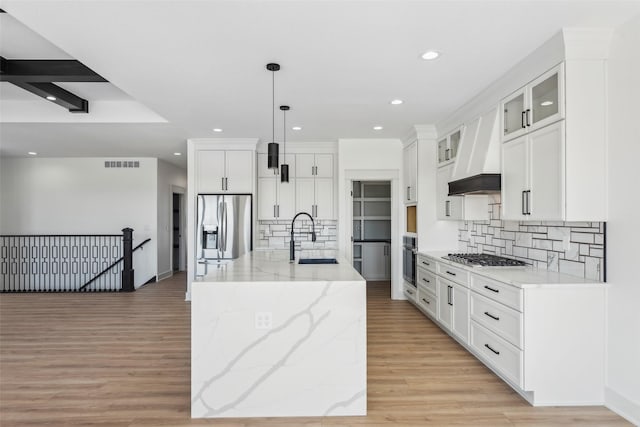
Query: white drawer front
{"type": "Point", "coordinates": [426, 262]}
{"type": "Point", "coordinates": [455, 274]}
{"type": "Point", "coordinates": [426, 279]}
{"type": "Point", "coordinates": [498, 353]}
{"type": "Point", "coordinates": [504, 321]}
{"type": "Point", "coordinates": [427, 301]}
{"type": "Point", "coordinates": [410, 292]}
{"type": "Point", "coordinates": [497, 291]}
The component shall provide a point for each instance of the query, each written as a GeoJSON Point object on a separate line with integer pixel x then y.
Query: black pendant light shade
{"type": "Point", "coordinates": [273, 148]}
{"type": "Point", "coordinates": [284, 168]}
{"type": "Point", "coordinates": [272, 155]}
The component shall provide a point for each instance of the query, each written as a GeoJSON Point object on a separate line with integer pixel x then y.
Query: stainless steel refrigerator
{"type": "Point", "coordinates": [224, 229]}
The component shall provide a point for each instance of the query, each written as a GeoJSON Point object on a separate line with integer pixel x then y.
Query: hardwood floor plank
{"type": "Point", "coordinates": [123, 360]}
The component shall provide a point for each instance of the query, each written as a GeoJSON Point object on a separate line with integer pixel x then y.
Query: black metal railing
{"type": "Point", "coordinates": [66, 263]}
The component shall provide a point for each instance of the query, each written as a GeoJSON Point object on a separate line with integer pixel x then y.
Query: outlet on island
{"type": "Point", "coordinates": [264, 320]}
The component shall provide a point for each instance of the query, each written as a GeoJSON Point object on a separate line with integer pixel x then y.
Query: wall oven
{"type": "Point", "coordinates": [409, 251]}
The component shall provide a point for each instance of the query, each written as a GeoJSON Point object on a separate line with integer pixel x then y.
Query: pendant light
{"type": "Point", "coordinates": [284, 168]}
{"type": "Point", "coordinates": [272, 147]}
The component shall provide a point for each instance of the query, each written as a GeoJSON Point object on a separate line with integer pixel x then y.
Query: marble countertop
{"type": "Point", "coordinates": [273, 266]}
{"type": "Point", "coordinates": [518, 276]}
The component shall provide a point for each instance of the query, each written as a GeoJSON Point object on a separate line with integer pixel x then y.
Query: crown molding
{"type": "Point", "coordinates": [223, 143]}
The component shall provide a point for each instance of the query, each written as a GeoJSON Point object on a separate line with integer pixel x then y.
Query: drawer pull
{"type": "Point", "coordinates": [491, 315]}
{"type": "Point", "coordinates": [453, 274]}
{"type": "Point", "coordinates": [491, 289]}
{"type": "Point", "coordinates": [425, 280]}
{"type": "Point", "coordinates": [426, 301]}
{"type": "Point", "coordinates": [408, 291]}
{"type": "Point", "coordinates": [425, 263]}
{"type": "Point", "coordinates": [489, 347]}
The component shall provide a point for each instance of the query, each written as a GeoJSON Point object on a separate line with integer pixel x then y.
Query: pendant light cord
{"type": "Point", "coordinates": [284, 135]}
{"type": "Point", "coordinates": [273, 106]}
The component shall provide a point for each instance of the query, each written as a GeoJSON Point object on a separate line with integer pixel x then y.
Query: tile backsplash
{"type": "Point", "coordinates": [539, 243]}
{"type": "Point", "coordinates": [275, 234]}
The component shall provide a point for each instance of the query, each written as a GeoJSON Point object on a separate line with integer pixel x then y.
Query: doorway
{"type": "Point", "coordinates": [371, 232]}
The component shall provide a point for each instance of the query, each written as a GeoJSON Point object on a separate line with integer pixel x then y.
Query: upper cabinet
{"type": "Point", "coordinates": [410, 173]}
{"type": "Point", "coordinates": [535, 105]}
{"type": "Point", "coordinates": [230, 171]}
{"type": "Point", "coordinates": [276, 199]}
{"type": "Point", "coordinates": [314, 165]}
{"type": "Point", "coordinates": [448, 147]}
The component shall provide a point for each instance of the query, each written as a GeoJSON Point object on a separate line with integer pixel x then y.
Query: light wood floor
{"type": "Point", "coordinates": [123, 360]}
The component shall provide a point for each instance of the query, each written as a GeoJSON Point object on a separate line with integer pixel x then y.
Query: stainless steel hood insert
{"type": "Point", "coordinates": [484, 183]}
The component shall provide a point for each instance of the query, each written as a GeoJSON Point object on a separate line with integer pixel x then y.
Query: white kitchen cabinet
{"type": "Point", "coordinates": [314, 165]}
{"type": "Point", "coordinates": [538, 104]}
{"type": "Point", "coordinates": [453, 308]}
{"type": "Point", "coordinates": [533, 175]}
{"type": "Point", "coordinates": [448, 207]}
{"type": "Point", "coordinates": [230, 171]}
{"type": "Point", "coordinates": [276, 199]}
{"type": "Point", "coordinates": [315, 196]}
{"type": "Point", "coordinates": [376, 261]}
{"type": "Point", "coordinates": [410, 173]}
{"type": "Point", "coordinates": [448, 147]}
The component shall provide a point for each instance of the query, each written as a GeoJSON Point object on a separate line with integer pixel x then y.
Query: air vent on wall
{"type": "Point", "coordinates": [121, 164]}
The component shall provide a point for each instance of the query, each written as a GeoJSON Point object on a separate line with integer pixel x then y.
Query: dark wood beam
{"type": "Point", "coordinates": [54, 70]}
{"type": "Point", "coordinates": [62, 97]}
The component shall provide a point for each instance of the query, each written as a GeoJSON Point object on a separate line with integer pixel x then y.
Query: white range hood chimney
{"type": "Point", "coordinates": [477, 167]}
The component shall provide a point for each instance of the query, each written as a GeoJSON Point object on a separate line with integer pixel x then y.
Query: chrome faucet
{"type": "Point", "coordinates": [292, 246]}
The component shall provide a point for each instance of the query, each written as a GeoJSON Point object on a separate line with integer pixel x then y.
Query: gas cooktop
{"type": "Point", "coordinates": [484, 260]}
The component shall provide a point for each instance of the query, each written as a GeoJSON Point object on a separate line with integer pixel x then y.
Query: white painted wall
{"type": "Point", "coordinates": [169, 177]}
{"type": "Point", "coordinates": [623, 350]}
{"type": "Point", "coordinates": [372, 159]}
{"type": "Point", "coordinates": [81, 196]}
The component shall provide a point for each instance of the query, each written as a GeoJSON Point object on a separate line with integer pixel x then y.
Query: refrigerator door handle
{"type": "Point", "coordinates": [226, 223]}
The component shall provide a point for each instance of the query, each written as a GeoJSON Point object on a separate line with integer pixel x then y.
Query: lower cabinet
{"type": "Point", "coordinates": [545, 340]}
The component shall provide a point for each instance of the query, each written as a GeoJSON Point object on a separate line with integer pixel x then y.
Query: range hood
{"type": "Point", "coordinates": [477, 167]}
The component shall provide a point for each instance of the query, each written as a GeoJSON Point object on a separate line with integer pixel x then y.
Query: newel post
{"type": "Point", "coordinates": [127, 271]}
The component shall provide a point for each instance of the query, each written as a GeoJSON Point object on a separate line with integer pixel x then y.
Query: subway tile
{"type": "Point", "coordinates": [596, 252]}
{"type": "Point", "coordinates": [577, 224]}
{"type": "Point", "coordinates": [557, 233]}
{"type": "Point", "coordinates": [573, 252]}
{"type": "Point", "coordinates": [598, 239]}
{"type": "Point", "coordinates": [538, 254]}
{"type": "Point", "coordinates": [543, 244]}
{"type": "Point", "coordinates": [585, 230]}
{"type": "Point", "coordinates": [511, 226]}
{"type": "Point", "coordinates": [539, 236]}
{"type": "Point", "coordinates": [520, 252]}
{"type": "Point", "coordinates": [553, 223]}
{"type": "Point", "coordinates": [524, 239]}
{"type": "Point", "coordinates": [552, 261]}
{"type": "Point", "coordinates": [584, 249]}
{"type": "Point", "coordinates": [582, 237]}
{"type": "Point", "coordinates": [508, 247]}
{"type": "Point", "coordinates": [571, 267]}
{"type": "Point", "coordinates": [499, 242]}
{"type": "Point", "coordinates": [593, 268]}
{"type": "Point", "coordinates": [508, 235]}
{"type": "Point", "coordinates": [557, 246]}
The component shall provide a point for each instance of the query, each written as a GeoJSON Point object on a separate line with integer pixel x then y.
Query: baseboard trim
{"type": "Point", "coordinates": [622, 406]}
{"type": "Point", "coordinates": [165, 275]}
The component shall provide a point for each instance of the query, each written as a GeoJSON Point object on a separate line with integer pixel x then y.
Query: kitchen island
{"type": "Point", "coordinates": [270, 338]}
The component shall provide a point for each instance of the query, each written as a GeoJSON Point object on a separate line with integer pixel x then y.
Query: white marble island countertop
{"type": "Point", "coordinates": [274, 265]}
{"type": "Point", "coordinates": [275, 339]}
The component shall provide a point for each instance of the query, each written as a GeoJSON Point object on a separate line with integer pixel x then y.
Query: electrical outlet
{"type": "Point", "coordinates": [566, 243]}
{"type": "Point", "coordinates": [264, 320]}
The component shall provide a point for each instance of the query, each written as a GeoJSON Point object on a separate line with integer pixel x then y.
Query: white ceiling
{"type": "Point", "coordinates": [200, 64]}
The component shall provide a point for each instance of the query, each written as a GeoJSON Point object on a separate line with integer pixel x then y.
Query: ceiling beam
{"type": "Point", "coordinates": [57, 95]}
{"type": "Point", "coordinates": [54, 70]}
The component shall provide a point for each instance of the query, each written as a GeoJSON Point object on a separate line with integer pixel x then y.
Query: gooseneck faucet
{"type": "Point", "coordinates": [292, 246]}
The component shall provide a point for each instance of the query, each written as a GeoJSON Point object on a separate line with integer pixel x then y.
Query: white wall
{"type": "Point", "coordinates": [169, 177]}
{"type": "Point", "coordinates": [372, 159]}
{"type": "Point", "coordinates": [623, 350]}
{"type": "Point", "coordinates": [81, 196]}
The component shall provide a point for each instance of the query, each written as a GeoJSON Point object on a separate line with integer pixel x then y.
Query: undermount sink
{"type": "Point", "coordinates": [317, 261]}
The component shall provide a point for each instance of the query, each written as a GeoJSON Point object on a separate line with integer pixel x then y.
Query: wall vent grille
{"type": "Point", "coordinates": [121, 164]}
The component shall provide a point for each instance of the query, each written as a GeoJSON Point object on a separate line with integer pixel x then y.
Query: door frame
{"type": "Point", "coordinates": [182, 263]}
{"type": "Point", "coordinates": [345, 220]}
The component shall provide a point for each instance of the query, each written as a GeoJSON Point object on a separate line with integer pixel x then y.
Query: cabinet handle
{"type": "Point", "coordinates": [528, 197]}
{"type": "Point", "coordinates": [446, 154]}
{"type": "Point", "coordinates": [424, 300]}
{"type": "Point", "coordinates": [447, 208]}
{"type": "Point", "coordinates": [497, 291]}
{"type": "Point", "coordinates": [408, 193]}
{"type": "Point", "coordinates": [491, 315]}
{"type": "Point", "coordinates": [425, 263]}
{"type": "Point", "coordinates": [425, 280]}
{"type": "Point", "coordinates": [528, 116]}
{"type": "Point", "coordinates": [275, 215]}
{"type": "Point", "coordinates": [524, 211]}
{"type": "Point", "coordinates": [409, 291]}
{"type": "Point", "coordinates": [489, 347]}
{"type": "Point", "coordinates": [222, 184]}
{"type": "Point", "coordinates": [449, 297]}
{"type": "Point", "coordinates": [226, 183]}
{"type": "Point", "coordinates": [524, 113]}
{"type": "Point", "coordinates": [450, 273]}
{"type": "Point", "coordinates": [278, 210]}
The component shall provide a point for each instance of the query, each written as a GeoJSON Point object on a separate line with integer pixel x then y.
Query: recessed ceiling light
{"type": "Point", "coordinates": [51, 98]}
{"type": "Point", "coordinates": [430, 55]}
{"type": "Point", "coordinates": [296, 128]}
{"type": "Point", "coordinates": [177, 154]}
{"type": "Point", "coordinates": [546, 103]}
{"type": "Point", "coordinates": [32, 153]}
{"type": "Point", "coordinates": [377, 128]}
{"type": "Point", "coordinates": [217, 130]}
{"type": "Point", "coordinates": [396, 102]}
